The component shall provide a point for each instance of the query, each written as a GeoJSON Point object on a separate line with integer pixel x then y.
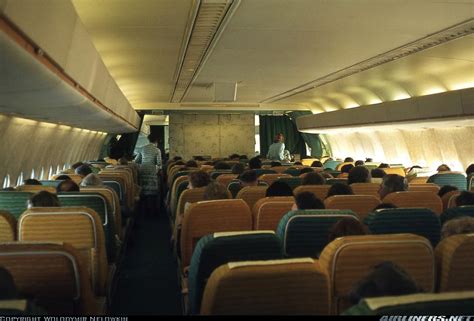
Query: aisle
{"type": "Point", "coordinates": [147, 283]}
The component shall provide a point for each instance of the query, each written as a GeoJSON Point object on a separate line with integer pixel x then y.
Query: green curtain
{"type": "Point", "coordinates": [272, 125]}
{"type": "Point", "coordinates": [313, 140]}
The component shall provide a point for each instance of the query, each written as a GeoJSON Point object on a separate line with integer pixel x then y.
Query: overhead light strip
{"type": "Point", "coordinates": [454, 32]}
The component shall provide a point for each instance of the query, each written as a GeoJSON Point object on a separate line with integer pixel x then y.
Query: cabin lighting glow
{"type": "Point", "coordinates": [374, 101]}
{"type": "Point", "coordinates": [434, 90]}
{"type": "Point", "coordinates": [353, 105]}
{"type": "Point", "coordinates": [401, 96]}
{"type": "Point", "coordinates": [464, 85]}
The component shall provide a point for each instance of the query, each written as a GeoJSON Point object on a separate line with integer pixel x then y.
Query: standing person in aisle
{"type": "Point", "coordinates": [277, 149]}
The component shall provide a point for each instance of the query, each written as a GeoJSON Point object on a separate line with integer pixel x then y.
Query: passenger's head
{"type": "Point", "coordinates": [279, 188]}
{"type": "Point", "coordinates": [392, 183]}
{"type": "Point", "coordinates": [348, 160]}
{"type": "Point", "coordinates": [359, 174]}
{"type": "Point", "coordinates": [446, 189]}
{"type": "Point", "coordinates": [465, 198]}
{"type": "Point", "coordinates": [359, 163]}
{"type": "Point", "coordinates": [377, 173]}
{"type": "Point", "coordinates": [234, 157]}
{"type": "Point", "coordinates": [340, 189]}
{"type": "Point", "coordinates": [305, 170]}
{"type": "Point", "coordinates": [368, 160]}
{"type": "Point", "coordinates": [92, 180]}
{"type": "Point", "coordinates": [443, 168]}
{"type": "Point", "coordinates": [177, 158]}
{"type": "Point", "coordinates": [243, 157]}
{"type": "Point", "coordinates": [384, 165]}
{"type": "Point", "coordinates": [316, 164]}
{"type": "Point", "coordinates": [215, 191]}
{"type": "Point", "coordinates": [76, 165]}
{"type": "Point", "coordinates": [152, 138]}
{"type": "Point", "coordinates": [43, 199]}
{"type": "Point", "coordinates": [238, 168]}
{"type": "Point", "coordinates": [191, 163]}
{"type": "Point", "coordinates": [198, 179]}
{"type": "Point", "coordinates": [313, 178]}
{"type": "Point", "coordinates": [470, 170]}
{"type": "Point", "coordinates": [255, 163]}
{"type": "Point", "coordinates": [278, 138]}
{"type": "Point", "coordinates": [8, 290]}
{"type": "Point", "coordinates": [31, 181]}
{"type": "Point", "coordinates": [461, 225]}
{"type": "Point", "coordinates": [347, 168]}
{"type": "Point", "coordinates": [385, 279]}
{"type": "Point", "coordinates": [123, 161]}
{"type": "Point", "coordinates": [67, 186]}
{"type": "Point", "coordinates": [62, 178]}
{"type": "Point", "coordinates": [248, 178]}
{"type": "Point", "coordinates": [221, 165]}
{"type": "Point", "coordinates": [346, 227]}
{"type": "Point", "coordinates": [298, 164]}
{"type": "Point", "coordinates": [384, 206]}
{"type": "Point", "coordinates": [275, 164]}
{"type": "Point", "coordinates": [83, 170]}
{"type": "Point", "coordinates": [307, 201]}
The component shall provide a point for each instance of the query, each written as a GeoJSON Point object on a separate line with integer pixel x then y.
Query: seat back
{"type": "Point", "coordinates": [418, 180]}
{"type": "Point", "coordinates": [459, 303]}
{"type": "Point", "coordinates": [292, 182]}
{"type": "Point", "coordinates": [14, 203]}
{"type": "Point", "coordinates": [333, 181]}
{"type": "Point", "coordinates": [117, 188]}
{"type": "Point", "coordinates": [348, 259]}
{"type": "Point", "coordinates": [420, 221]}
{"type": "Point", "coordinates": [305, 233]}
{"type": "Point", "coordinates": [76, 178]}
{"type": "Point", "coordinates": [124, 192]}
{"type": "Point", "coordinates": [216, 173]}
{"type": "Point", "coordinates": [181, 186]}
{"type": "Point", "coordinates": [362, 205]}
{"type": "Point", "coordinates": [251, 194]}
{"type": "Point", "coordinates": [214, 250]}
{"type": "Point", "coordinates": [225, 179]}
{"type": "Point", "coordinates": [470, 183]}
{"type": "Point", "coordinates": [279, 169]}
{"type": "Point", "coordinates": [449, 178]}
{"type": "Point", "coordinates": [415, 199]}
{"type": "Point", "coordinates": [210, 217]}
{"type": "Point", "coordinates": [7, 227]}
{"type": "Point", "coordinates": [366, 189]}
{"type": "Point", "coordinates": [36, 188]}
{"type": "Point", "coordinates": [427, 187]}
{"type": "Point", "coordinates": [456, 212]}
{"type": "Point", "coordinates": [395, 170]}
{"type": "Point", "coordinates": [192, 195]}
{"type": "Point", "coordinates": [293, 171]}
{"type": "Point", "coordinates": [234, 187]}
{"type": "Point", "coordinates": [270, 178]}
{"type": "Point", "coordinates": [51, 273]}
{"type": "Point", "coordinates": [261, 171]}
{"type": "Point", "coordinates": [78, 226]}
{"type": "Point", "coordinates": [50, 183]}
{"type": "Point", "coordinates": [339, 166]}
{"type": "Point", "coordinates": [320, 191]}
{"type": "Point", "coordinates": [446, 199]}
{"type": "Point", "coordinates": [455, 261]}
{"type": "Point", "coordinates": [331, 164]}
{"type": "Point", "coordinates": [268, 211]}
{"type": "Point", "coordinates": [263, 288]}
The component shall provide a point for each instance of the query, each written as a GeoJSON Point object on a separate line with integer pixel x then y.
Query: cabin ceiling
{"type": "Point", "coordinates": [269, 47]}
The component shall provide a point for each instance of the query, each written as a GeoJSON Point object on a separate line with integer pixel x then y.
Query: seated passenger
{"type": "Point", "coordinates": [192, 164]}
{"type": "Point", "coordinates": [298, 164]}
{"type": "Point", "coordinates": [307, 201]}
{"type": "Point", "coordinates": [383, 165]}
{"type": "Point", "coordinates": [316, 164]}
{"type": "Point", "coordinates": [43, 199]}
{"type": "Point", "coordinates": [313, 178]}
{"type": "Point", "coordinates": [384, 205]}
{"type": "Point", "coordinates": [63, 178]}
{"type": "Point", "coordinates": [31, 181]}
{"type": "Point", "coordinates": [221, 166]}
{"type": "Point", "coordinates": [359, 163]}
{"type": "Point", "coordinates": [339, 189]}
{"type": "Point", "coordinates": [359, 174]}
{"type": "Point", "coordinates": [461, 225]}
{"type": "Point", "coordinates": [465, 198]}
{"type": "Point", "coordinates": [238, 168]}
{"type": "Point", "coordinates": [92, 180]}
{"type": "Point", "coordinates": [446, 189]}
{"type": "Point", "coordinates": [76, 165]}
{"type": "Point", "coordinates": [279, 189]}
{"type": "Point", "coordinates": [368, 160]}
{"type": "Point", "coordinates": [255, 163]}
{"type": "Point", "coordinates": [275, 164]}
{"type": "Point", "coordinates": [198, 179]}
{"type": "Point", "coordinates": [123, 161]}
{"type": "Point", "coordinates": [377, 173]}
{"type": "Point", "coordinates": [386, 279]}
{"type": "Point", "coordinates": [306, 170]}
{"type": "Point", "coordinates": [348, 160]}
{"type": "Point", "coordinates": [234, 157]}
{"type": "Point", "coordinates": [83, 170]}
{"type": "Point", "coordinates": [347, 168]}
{"type": "Point", "coordinates": [392, 183]}
{"type": "Point", "coordinates": [8, 289]}
{"type": "Point", "coordinates": [67, 186]}
{"type": "Point", "coordinates": [215, 191]}
{"type": "Point", "coordinates": [243, 157]}
{"type": "Point", "coordinates": [443, 168]}
{"type": "Point", "coordinates": [346, 227]}
{"type": "Point", "coordinates": [248, 178]}
{"type": "Point", "coordinates": [470, 170]}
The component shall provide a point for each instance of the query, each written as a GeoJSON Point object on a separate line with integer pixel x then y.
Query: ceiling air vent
{"type": "Point", "coordinates": [206, 23]}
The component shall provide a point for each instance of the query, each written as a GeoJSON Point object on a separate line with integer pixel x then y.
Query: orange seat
{"type": "Point", "coordinates": [419, 180]}
{"type": "Point", "coordinates": [415, 199]}
{"type": "Point", "coordinates": [36, 188]}
{"type": "Point", "coordinates": [446, 199]}
{"type": "Point", "coordinates": [427, 187]}
{"type": "Point", "coordinates": [268, 211]}
{"type": "Point", "coordinates": [7, 227]}
{"type": "Point", "coordinates": [395, 170]}
{"type": "Point", "coordinates": [366, 189]}
{"type": "Point", "coordinates": [362, 205]}
{"type": "Point", "coordinates": [320, 191]}
{"type": "Point", "coordinates": [251, 194]}
{"type": "Point", "coordinates": [225, 179]}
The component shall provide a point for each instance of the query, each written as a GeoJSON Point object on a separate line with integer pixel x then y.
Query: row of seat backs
{"type": "Point", "coordinates": [449, 178]}
{"type": "Point", "coordinates": [54, 274]}
{"type": "Point", "coordinates": [125, 179]}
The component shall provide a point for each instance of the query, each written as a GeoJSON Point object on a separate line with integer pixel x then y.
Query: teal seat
{"type": "Point", "coordinates": [456, 212]}
{"type": "Point", "coordinates": [117, 188]}
{"type": "Point", "coordinates": [215, 174]}
{"type": "Point", "coordinates": [261, 171]}
{"type": "Point", "coordinates": [453, 179]}
{"type": "Point", "coordinates": [331, 164]}
{"type": "Point", "coordinates": [420, 221]}
{"type": "Point", "coordinates": [213, 251]}
{"type": "Point", "coordinates": [305, 233]}
{"type": "Point", "coordinates": [14, 202]}
{"type": "Point", "coordinates": [451, 303]}
{"type": "Point", "coordinates": [333, 181]}
{"type": "Point", "coordinates": [54, 183]}
{"type": "Point", "coordinates": [98, 203]}
{"type": "Point", "coordinates": [333, 173]}
{"type": "Point", "coordinates": [293, 171]}
{"type": "Point", "coordinates": [292, 182]}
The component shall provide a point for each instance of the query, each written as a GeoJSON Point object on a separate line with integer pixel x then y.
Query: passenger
{"type": "Point", "coordinates": [31, 181]}
{"type": "Point", "coordinates": [359, 174]}
{"type": "Point", "coordinates": [234, 157]}
{"type": "Point", "coordinates": [384, 165]}
{"type": "Point", "coordinates": [67, 186]}
{"type": "Point", "coordinates": [347, 168]}
{"type": "Point", "coordinates": [298, 164]}
{"type": "Point", "coordinates": [326, 175]}
{"type": "Point", "coordinates": [313, 179]}
{"type": "Point", "coordinates": [392, 183]}
{"type": "Point", "coordinates": [383, 206]}
{"type": "Point", "coordinates": [443, 168]}
{"type": "Point", "coordinates": [470, 170]}
{"type": "Point", "coordinates": [198, 179]}
{"type": "Point", "coordinates": [76, 165]}
{"type": "Point", "coordinates": [275, 164]}
{"type": "Point", "coordinates": [83, 170]}
{"type": "Point", "coordinates": [465, 198]}
{"type": "Point", "coordinates": [215, 191]}
{"type": "Point", "coordinates": [238, 168]}
{"type": "Point", "coordinates": [248, 178]}
{"type": "Point", "coordinates": [255, 163]}
{"type": "Point", "coordinates": [43, 199]}
{"type": "Point", "coordinates": [359, 163]}
{"type": "Point", "coordinates": [446, 189]}
{"type": "Point", "coordinates": [177, 158]}
{"type": "Point", "coordinates": [221, 165]}
{"type": "Point", "coordinates": [243, 157]}
{"type": "Point", "coordinates": [339, 189]}
{"type": "Point", "coordinates": [63, 178]}
{"type": "Point", "coordinates": [348, 160]}
{"type": "Point", "coordinates": [368, 160]}
{"type": "Point", "coordinates": [192, 164]}
{"type": "Point", "coordinates": [305, 170]}
{"type": "Point", "coordinates": [8, 290]}
{"type": "Point", "coordinates": [307, 201]}
{"type": "Point", "coordinates": [277, 149]}
{"type": "Point", "coordinates": [316, 164]}
{"type": "Point", "coordinates": [461, 225]}
{"type": "Point", "coordinates": [385, 279]}
{"type": "Point", "coordinates": [346, 227]}
{"type": "Point", "coordinates": [123, 161]}
{"type": "Point", "coordinates": [377, 173]}
{"type": "Point", "coordinates": [92, 180]}
{"type": "Point", "coordinates": [279, 189]}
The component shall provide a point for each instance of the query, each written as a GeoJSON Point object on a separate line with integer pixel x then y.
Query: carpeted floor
{"type": "Point", "coordinates": [147, 280]}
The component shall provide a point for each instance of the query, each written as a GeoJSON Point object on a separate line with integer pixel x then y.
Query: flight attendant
{"type": "Point", "coordinates": [276, 151]}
